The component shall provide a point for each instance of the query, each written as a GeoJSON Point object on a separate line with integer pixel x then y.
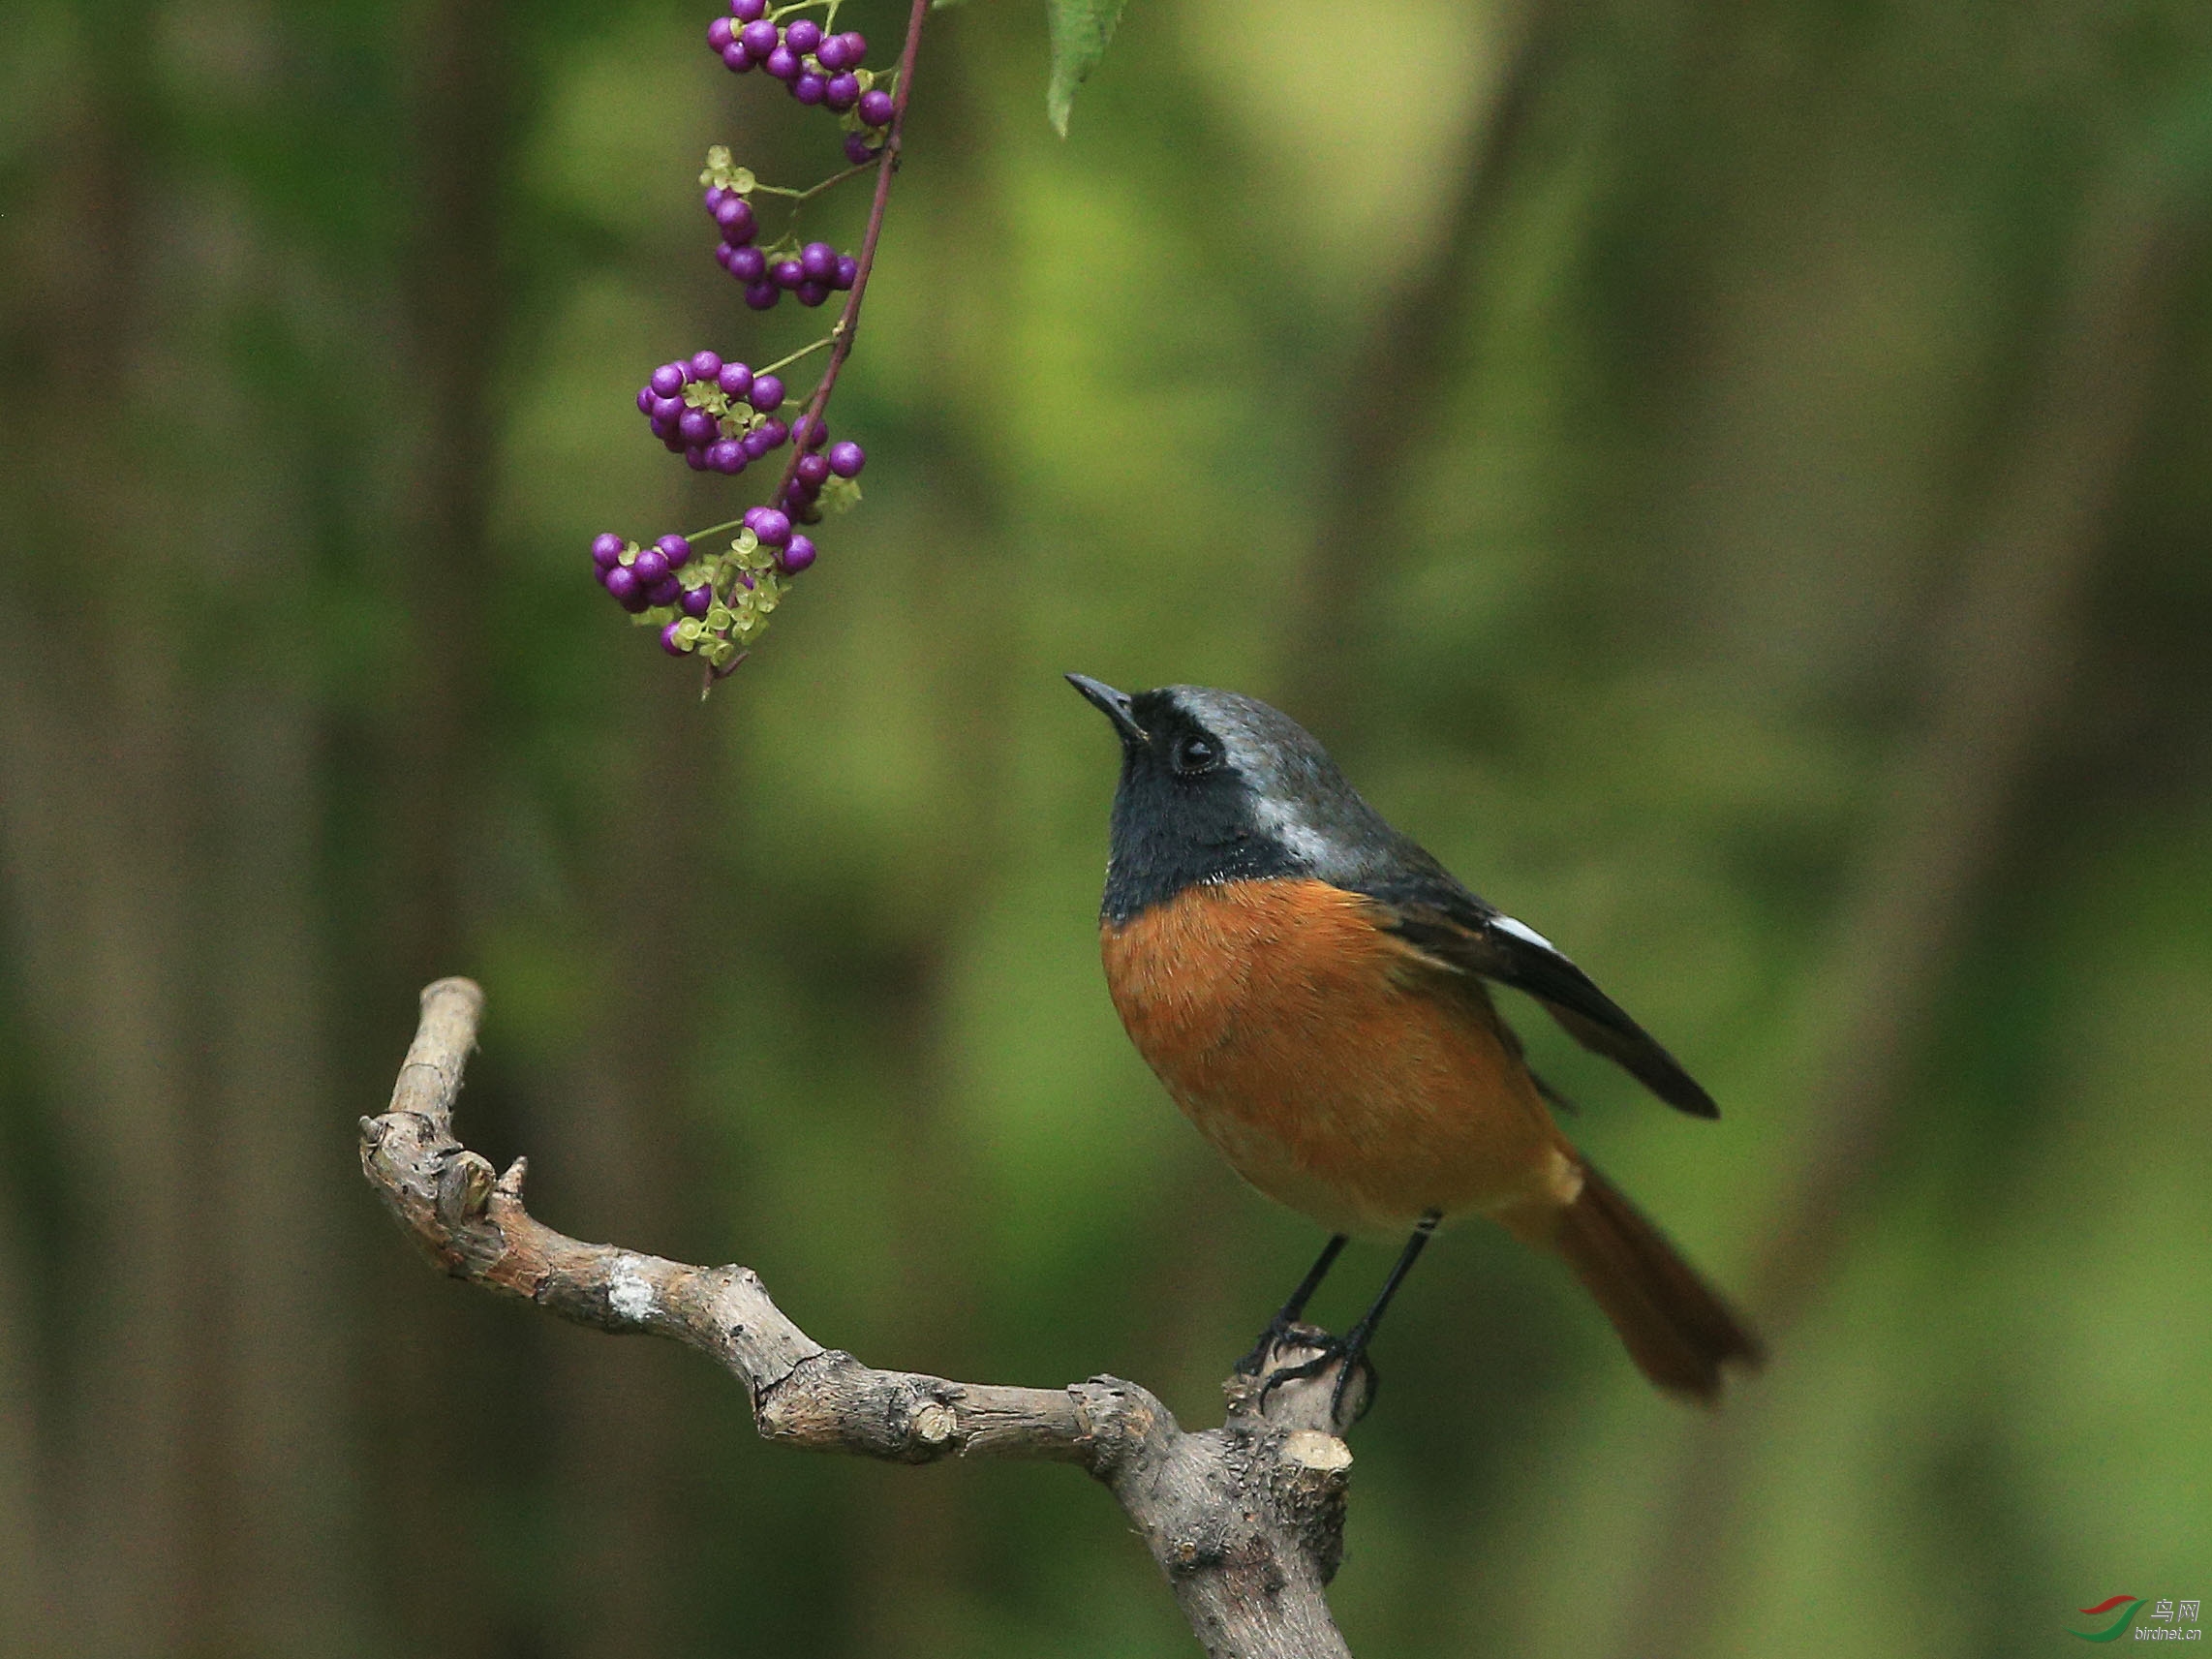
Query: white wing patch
{"type": "Point", "coordinates": [1523, 931]}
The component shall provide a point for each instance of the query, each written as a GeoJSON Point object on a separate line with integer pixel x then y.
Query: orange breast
{"type": "Point", "coordinates": [1334, 1069]}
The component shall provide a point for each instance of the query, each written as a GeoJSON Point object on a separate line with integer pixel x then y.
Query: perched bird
{"type": "Point", "coordinates": [1314, 988]}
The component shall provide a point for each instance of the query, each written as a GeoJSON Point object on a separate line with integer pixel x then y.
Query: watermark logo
{"type": "Point", "coordinates": [2164, 1623]}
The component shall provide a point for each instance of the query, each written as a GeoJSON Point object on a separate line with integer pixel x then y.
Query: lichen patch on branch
{"type": "Point", "coordinates": [629, 1295]}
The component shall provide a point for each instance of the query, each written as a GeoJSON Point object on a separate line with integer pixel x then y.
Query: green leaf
{"type": "Point", "coordinates": [1080, 32]}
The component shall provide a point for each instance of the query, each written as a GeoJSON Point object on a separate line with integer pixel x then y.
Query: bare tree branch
{"type": "Point", "coordinates": [1246, 1520]}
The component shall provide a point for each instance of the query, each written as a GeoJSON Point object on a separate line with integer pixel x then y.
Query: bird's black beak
{"type": "Point", "coordinates": [1113, 704]}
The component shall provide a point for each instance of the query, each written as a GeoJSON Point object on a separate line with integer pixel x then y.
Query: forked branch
{"type": "Point", "coordinates": [1246, 1520]}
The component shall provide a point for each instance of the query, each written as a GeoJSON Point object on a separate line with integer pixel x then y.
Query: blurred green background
{"type": "Point", "coordinates": [1733, 480]}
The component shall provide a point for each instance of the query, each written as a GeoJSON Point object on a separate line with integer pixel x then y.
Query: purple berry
{"type": "Point", "coordinates": [783, 63]}
{"type": "Point", "coordinates": [696, 601]}
{"type": "Point", "coordinates": [876, 107]}
{"type": "Point", "coordinates": [675, 549]}
{"type": "Point", "coordinates": [735, 217]}
{"type": "Point", "coordinates": [812, 292]}
{"type": "Point", "coordinates": [705, 365]}
{"type": "Point", "coordinates": [848, 272]}
{"type": "Point", "coordinates": [671, 641]}
{"type": "Point", "coordinates": [767, 394]}
{"type": "Point", "coordinates": [810, 88]}
{"type": "Point", "coordinates": [843, 91]}
{"type": "Point", "coordinates": [695, 457]}
{"type": "Point", "coordinates": [798, 556]}
{"type": "Point", "coordinates": [666, 592]}
{"type": "Point", "coordinates": [606, 550]}
{"type": "Point", "coordinates": [747, 11]}
{"type": "Point", "coordinates": [813, 471]}
{"type": "Point", "coordinates": [810, 432]}
{"type": "Point", "coordinates": [667, 379]}
{"type": "Point", "coordinates": [747, 264]}
{"type": "Point", "coordinates": [726, 455]}
{"type": "Point", "coordinates": [698, 426]}
{"type": "Point", "coordinates": [668, 409]}
{"type": "Point", "coordinates": [818, 259]}
{"type": "Point", "coordinates": [649, 565]}
{"type": "Point", "coordinates": [786, 273]}
{"type": "Point", "coordinates": [775, 431]}
{"type": "Point", "coordinates": [833, 54]}
{"type": "Point", "coordinates": [803, 36]}
{"type": "Point", "coordinates": [772, 528]}
{"type": "Point", "coordinates": [762, 295]}
{"type": "Point", "coordinates": [855, 47]}
{"type": "Point", "coordinates": [621, 583]}
{"type": "Point", "coordinates": [737, 58]}
{"type": "Point", "coordinates": [856, 150]}
{"type": "Point", "coordinates": [756, 443]}
{"type": "Point", "coordinates": [718, 34]}
{"type": "Point", "coordinates": [846, 459]}
{"type": "Point", "coordinates": [723, 252]}
{"type": "Point", "coordinates": [645, 401]}
{"type": "Point", "coordinates": [735, 380]}
{"type": "Point", "coordinates": [758, 37]}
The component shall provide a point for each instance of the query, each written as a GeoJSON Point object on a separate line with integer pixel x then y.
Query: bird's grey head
{"type": "Point", "coordinates": [1218, 787]}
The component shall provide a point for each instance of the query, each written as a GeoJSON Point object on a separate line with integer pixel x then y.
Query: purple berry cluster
{"type": "Point", "coordinates": [773, 530]}
{"type": "Point", "coordinates": [722, 417]}
{"type": "Point", "coordinates": [639, 579]}
{"type": "Point", "coordinates": [718, 416]}
{"type": "Point", "coordinates": [819, 463]}
{"type": "Point", "coordinates": [814, 66]}
{"type": "Point", "coordinates": [811, 273]}
{"type": "Point", "coordinates": [715, 606]}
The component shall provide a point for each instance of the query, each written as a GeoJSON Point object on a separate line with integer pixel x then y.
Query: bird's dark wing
{"type": "Point", "coordinates": [1462, 933]}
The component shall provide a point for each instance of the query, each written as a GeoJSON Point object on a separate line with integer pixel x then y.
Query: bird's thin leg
{"type": "Point", "coordinates": [1251, 1363]}
{"type": "Point", "coordinates": [1352, 1349]}
{"type": "Point", "coordinates": [1357, 1338]}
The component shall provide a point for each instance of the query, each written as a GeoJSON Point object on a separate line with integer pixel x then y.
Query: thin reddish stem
{"type": "Point", "coordinates": [848, 323]}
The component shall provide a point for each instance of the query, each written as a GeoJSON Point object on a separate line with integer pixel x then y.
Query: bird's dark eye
{"type": "Point", "coordinates": [1196, 754]}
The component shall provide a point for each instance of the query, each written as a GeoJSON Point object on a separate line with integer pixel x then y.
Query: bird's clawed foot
{"type": "Point", "coordinates": [1273, 1337]}
{"type": "Point", "coordinates": [1290, 1353]}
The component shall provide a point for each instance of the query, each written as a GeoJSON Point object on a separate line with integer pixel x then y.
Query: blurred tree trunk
{"type": "Point", "coordinates": [94, 837]}
{"type": "Point", "coordinates": [442, 1362]}
{"type": "Point", "coordinates": [34, 1606]}
{"type": "Point", "coordinates": [26, 1557]}
{"type": "Point", "coordinates": [916, 1536]}
{"type": "Point", "coordinates": [287, 1533]}
{"type": "Point", "coordinates": [2000, 678]}
{"type": "Point", "coordinates": [1406, 362]}
{"type": "Point", "coordinates": [613, 1130]}
{"type": "Point", "coordinates": [158, 859]}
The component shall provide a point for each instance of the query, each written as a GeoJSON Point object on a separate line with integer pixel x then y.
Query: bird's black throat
{"type": "Point", "coordinates": [1172, 831]}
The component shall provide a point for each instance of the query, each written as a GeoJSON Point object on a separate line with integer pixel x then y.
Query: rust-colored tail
{"type": "Point", "coordinates": [1677, 1328]}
